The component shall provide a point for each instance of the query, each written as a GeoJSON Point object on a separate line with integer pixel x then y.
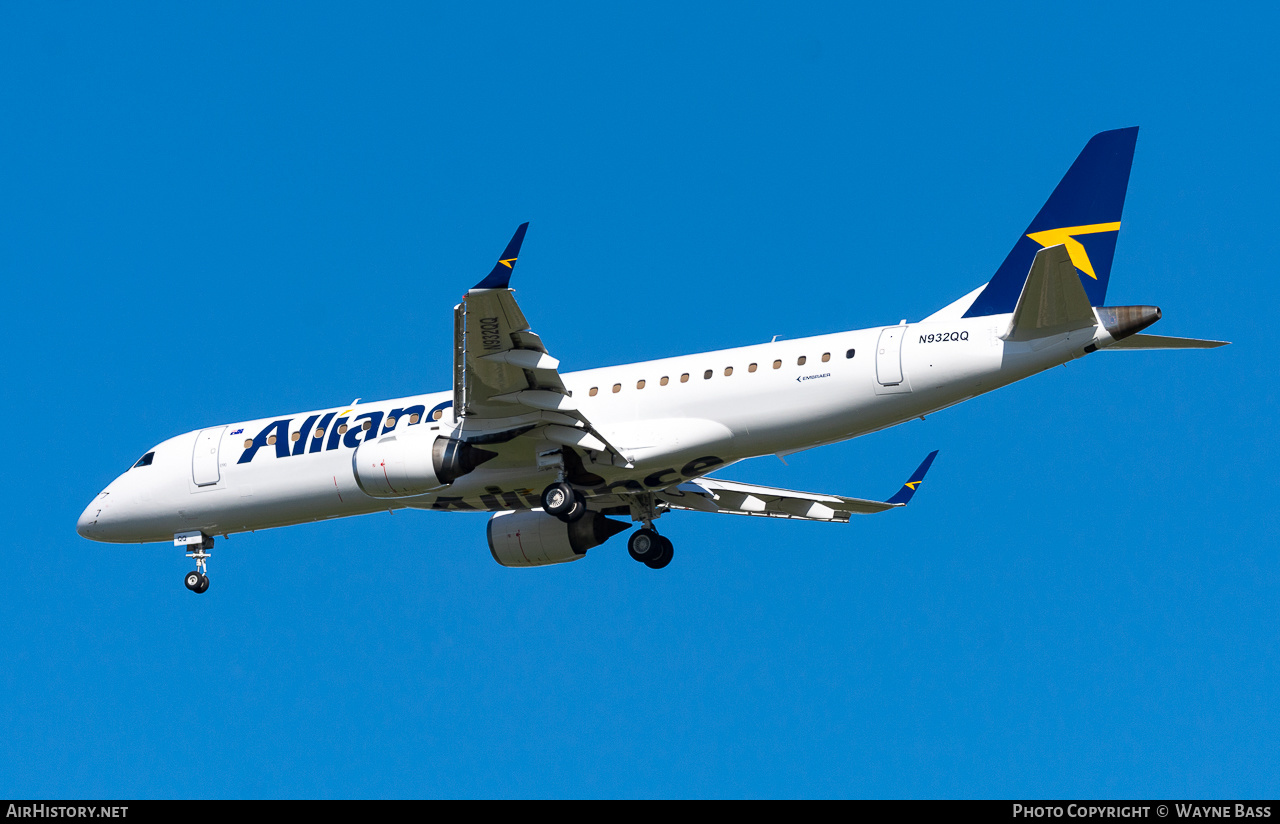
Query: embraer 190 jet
{"type": "Point", "coordinates": [567, 460]}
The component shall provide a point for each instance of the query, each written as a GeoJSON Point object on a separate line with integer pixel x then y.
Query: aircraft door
{"type": "Point", "coordinates": [889, 356]}
{"type": "Point", "coordinates": [204, 458]}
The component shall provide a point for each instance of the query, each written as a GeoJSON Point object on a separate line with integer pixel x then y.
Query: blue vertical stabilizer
{"type": "Point", "coordinates": [1083, 213]}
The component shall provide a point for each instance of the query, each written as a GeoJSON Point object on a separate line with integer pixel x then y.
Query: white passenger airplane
{"type": "Point", "coordinates": [555, 455]}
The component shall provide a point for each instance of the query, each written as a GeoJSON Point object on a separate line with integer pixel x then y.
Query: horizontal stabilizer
{"type": "Point", "coordinates": [1159, 342]}
{"type": "Point", "coordinates": [1052, 300]}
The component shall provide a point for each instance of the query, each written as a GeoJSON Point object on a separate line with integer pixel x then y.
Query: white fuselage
{"type": "Point", "coordinates": [672, 429]}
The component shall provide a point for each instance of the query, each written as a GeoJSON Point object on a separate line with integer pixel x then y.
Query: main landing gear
{"type": "Point", "coordinates": [645, 544]}
{"type": "Point", "coordinates": [196, 580]}
{"type": "Point", "coordinates": [563, 501]}
{"type": "Point", "coordinates": [650, 548]}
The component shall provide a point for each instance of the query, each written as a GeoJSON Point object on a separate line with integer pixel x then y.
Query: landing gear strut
{"type": "Point", "coordinates": [197, 580]}
{"type": "Point", "coordinates": [645, 544]}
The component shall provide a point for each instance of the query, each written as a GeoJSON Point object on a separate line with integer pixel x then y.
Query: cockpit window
{"type": "Point", "coordinates": [145, 460]}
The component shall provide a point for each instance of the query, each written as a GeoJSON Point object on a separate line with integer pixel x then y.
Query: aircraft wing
{"type": "Point", "coordinates": [732, 498]}
{"type": "Point", "coordinates": [501, 369]}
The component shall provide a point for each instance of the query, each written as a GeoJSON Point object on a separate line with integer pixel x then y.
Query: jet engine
{"type": "Point", "coordinates": [413, 462]}
{"type": "Point", "coordinates": [526, 538]}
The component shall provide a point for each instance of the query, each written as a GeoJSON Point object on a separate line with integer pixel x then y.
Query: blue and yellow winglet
{"type": "Point", "coordinates": [913, 483]}
{"type": "Point", "coordinates": [501, 274]}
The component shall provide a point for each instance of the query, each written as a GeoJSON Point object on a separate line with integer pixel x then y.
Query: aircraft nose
{"type": "Point", "coordinates": [87, 524]}
{"type": "Point", "coordinates": [84, 523]}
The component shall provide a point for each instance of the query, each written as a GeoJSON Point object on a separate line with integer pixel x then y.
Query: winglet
{"type": "Point", "coordinates": [913, 483]}
{"type": "Point", "coordinates": [501, 274]}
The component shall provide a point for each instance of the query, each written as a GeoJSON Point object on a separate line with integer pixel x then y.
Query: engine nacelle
{"type": "Point", "coordinates": [527, 538]}
{"type": "Point", "coordinates": [412, 462]}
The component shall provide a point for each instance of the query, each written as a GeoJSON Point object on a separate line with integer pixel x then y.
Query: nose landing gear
{"type": "Point", "coordinates": [197, 580]}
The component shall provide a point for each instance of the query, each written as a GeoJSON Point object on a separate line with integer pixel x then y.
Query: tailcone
{"type": "Point", "coordinates": [1123, 321]}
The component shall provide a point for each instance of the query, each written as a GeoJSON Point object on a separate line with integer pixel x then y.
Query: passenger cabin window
{"type": "Point", "coordinates": [639, 384]}
{"type": "Point", "coordinates": [593, 391]}
{"type": "Point", "coordinates": [706, 376]}
{"type": "Point", "coordinates": [145, 460]}
{"type": "Point", "coordinates": [728, 370]}
{"type": "Point", "coordinates": [435, 416]}
{"type": "Point", "coordinates": [342, 430]}
{"type": "Point", "coordinates": [800, 360]}
{"type": "Point", "coordinates": [319, 435]}
{"type": "Point", "coordinates": [413, 418]}
{"type": "Point", "coordinates": [665, 380]}
{"type": "Point", "coordinates": [684, 378]}
{"type": "Point", "coordinates": [826, 356]}
{"type": "Point", "coordinates": [849, 354]}
{"type": "Point", "coordinates": [777, 364]}
{"type": "Point", "coordinates": [617, 387]}
{"type": "Point", "coordinates": [271, 440]}
{"type": "Point", "coordinates": [248, 442]}
{"type": "Point", "coordinates": [751, 368]}
{"type": "Point", "coordinates": [295, 436]}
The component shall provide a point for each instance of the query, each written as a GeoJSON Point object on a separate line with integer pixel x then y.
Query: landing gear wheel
{"type": "Point", "coordinates": [558, 499]}
{"type": "Point", "coordinates": [196, 580]}
{"type": "Point", "coordinates": [644, 545]}
{"type": "Point", "coordinates": [579, 509]}
{"type": "Point", "coordinates": [664, 554]}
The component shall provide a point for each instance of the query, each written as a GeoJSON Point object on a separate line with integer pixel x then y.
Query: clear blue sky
{"type": "Point", "coordinates": [217, 212]}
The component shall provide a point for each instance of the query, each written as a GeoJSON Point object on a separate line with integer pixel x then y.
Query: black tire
{"type": "Point", "coordinates": [192, 580]}
{"type": "Point", "coordinates": [579, 509]}
{"type": "Point", "coordinates": [644, 544]}
{"type": "Point", "coordinates": [204, 584]}
{"type": "Point", "coordinates": [558, 499]}
{"type": "Point", "coordinates": [665, 553]}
